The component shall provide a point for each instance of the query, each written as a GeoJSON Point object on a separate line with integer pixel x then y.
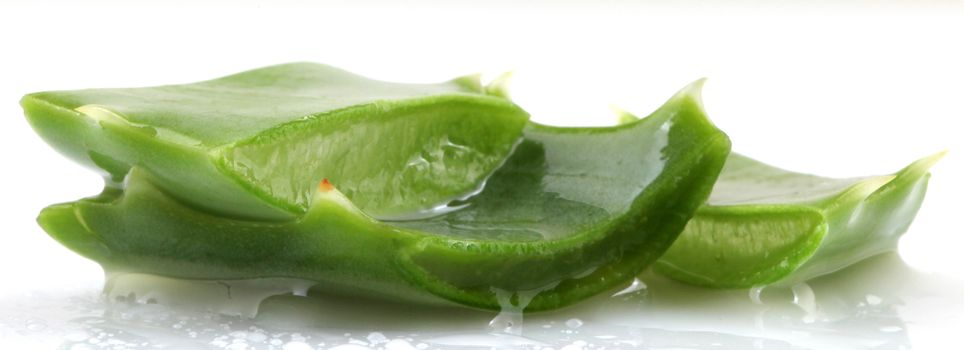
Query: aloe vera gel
{"type": "Point", "coordinates": [439, 193]}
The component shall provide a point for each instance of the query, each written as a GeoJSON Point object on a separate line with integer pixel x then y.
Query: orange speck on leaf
{"type": "Point", "coordinates": [325, 186]}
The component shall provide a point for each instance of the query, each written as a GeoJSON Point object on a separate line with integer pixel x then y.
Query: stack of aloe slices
{"type": "Point", "coordinates": [441, 193]}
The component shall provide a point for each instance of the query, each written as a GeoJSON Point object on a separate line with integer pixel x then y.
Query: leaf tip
{"type": "Point", "coordinates": [472, 82]}
{"type": "Point", "coordinates": [691, 93]}
{"type": "Point", "coordinates": [934, 158]}
{"type": "Point", "coordinates": [694, 90]}
{"type": "Point", "coordinates": [623, 116]}
{"type": "Point", "coordinates": [924, 164]}
{"type": "Point", "coordinates": [500, 85]}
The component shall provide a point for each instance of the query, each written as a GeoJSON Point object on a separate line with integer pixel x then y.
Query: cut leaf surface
{"type": "Point", "coordinates": [764, 225]}
{"type": "Point", "coordinates": [254, 144]}
{"type": "Point", "coordinates": [573, 212]}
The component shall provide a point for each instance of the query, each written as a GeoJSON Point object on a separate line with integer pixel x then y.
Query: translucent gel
{"type": "Point", "coordinates": [510, 319]}
{"type": "Point", "coordinates": [231, 297]}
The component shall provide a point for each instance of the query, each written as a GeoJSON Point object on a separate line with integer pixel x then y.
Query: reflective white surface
{"type": "Point", "coordinates": [880, 303]}
{"type": "Point", "coordinates": [836, 89]}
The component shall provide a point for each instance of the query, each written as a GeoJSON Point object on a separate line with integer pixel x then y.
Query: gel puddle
{"type": "Point", "coordinates": [874, 304]}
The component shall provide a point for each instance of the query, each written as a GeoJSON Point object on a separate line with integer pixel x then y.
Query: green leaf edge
{"type": "Point", "coordinates": [247, 200]}
{"type": "Point", "coordinates": [711, 154]}
{"type": "Point", "coordinates": [821, 217]}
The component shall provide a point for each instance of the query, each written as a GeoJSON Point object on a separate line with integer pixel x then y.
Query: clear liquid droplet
{"type": "Point", "coordinates": [755, 293]}
{"type": "Point", "coordinates": [636, 286]}
{"type": "Point", "coordinates": [512, 304]}
{"type": "Point", "coordinates": [234, 297]}
{"type": "Point", "coordinates": [804, 298]}
{"type": "Point", "coordinates": [574, 323]}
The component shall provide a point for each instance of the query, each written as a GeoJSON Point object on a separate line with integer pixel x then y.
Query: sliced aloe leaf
{"type": "Point", "coordinates": [764, 225]}
{"type": "Point", "coordinates": [573, 212]}
{"type": "Point", "coordinates": [254, 144]}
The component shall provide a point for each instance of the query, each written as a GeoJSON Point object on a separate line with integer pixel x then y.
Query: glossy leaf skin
{"type": "Point", "coordinates": [254, 144]}
{"type": "Point", "coordinates": [764, 225]}
{"type": "Point", "coordinates": [573, 212]}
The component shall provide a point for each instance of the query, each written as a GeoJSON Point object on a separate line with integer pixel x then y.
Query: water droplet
{"type": "Point", "coordinates": [891, 329]}
{"type": "Point", "coordinates": [417, 162]}
{"type": "Point", "coordinates": [873, 299]}
{"type": "Point", "coordinates": [576, 345]}
{"type": "Point", "coordinates": [804, 297]}
{"type": "Point", "coordinates": [476, 340]}
{"type": "Point", "coordinates": [257, 337]}
{"type": "Point", "coordinates": [238, 345]}
{"type": "Point", "coordinates": [509, 320]}
{"type": "Point", "coordinates": [634, 287]}
{"type": "Point", "coordinates": [377, 338]}
{"type": "Point", "coordinates": [296, 345]}
{"type": "Point", "coordinates": [301, 289]}
{"type": "Point", "coordinates": [238, 334]}
{"type": "Point", "coordinates": [348, 347]}
{"type": "Point", "coordinates": [77, 336]}
{"type": "Point", "coordinates": [236, 297]}
{"type": "Point", "coordinates": [755, 293]}
{"type": "Point", "coordinates": [399, 344]}
{"type": "Point", "coordinates": [35, 325]}
{"type": "Point", "coordinates": [574, 323]}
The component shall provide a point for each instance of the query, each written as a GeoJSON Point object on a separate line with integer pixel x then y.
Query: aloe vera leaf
{"type": "Point", "coordinates": [573, 212]}
{"type": "Point", "coordinates": [254, 144]}
{"type": "Point", "coordinates": [764, 225]}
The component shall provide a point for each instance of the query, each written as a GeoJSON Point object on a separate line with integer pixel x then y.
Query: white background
{"type": "Point", "coordinates": [837, 89]}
